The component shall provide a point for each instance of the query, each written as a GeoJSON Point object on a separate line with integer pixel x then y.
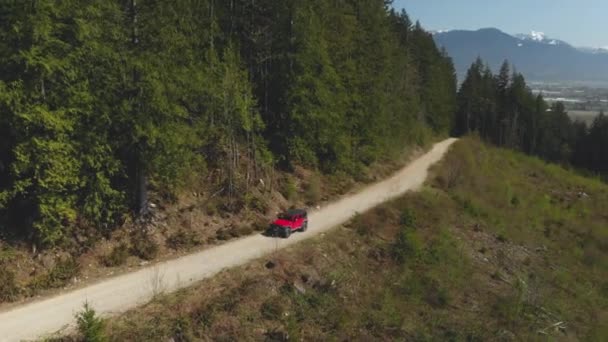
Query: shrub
{"type": "Point", "coordinates": [359, 226]}
{"type": "Point", "coordinates": [313, 190]}
{"type": "Point", "coordinates": [290, 191]}
{"type": "Point", "coordinates": [244, 230]}
{"type": "Point", "coordinates": [436, 295]}
{"type": "Point", "coordinates": [57, 277]}
{"type": "Point", "coordinates": [182, 328]}
{"type": "Point", "coordinates": [117, 257]}
{"type": "Point", "coordinates": [407, 245]}
{"type": "Point", "coordinates": [183, 239]}
{"type": "Point", "coordinates": [501, 237]}
{"type": "Point", "coordinates": [143, 246]}
{"type": "Point", "coordinates": [90, 327]}
{"type": "Point", "coordinates": [8, 285]}
{"type": "Point", "coordinates": [515, 201]}
{"type": "Point", "coordinates": [222, 235]}
{"type": "Point", "coordinates": [255, 203]}
{"type": "Point", "coordinates": [211, 208]}
{"type": "Point", "coordinates": [408, 218]}
{"type": "Point", "coordinates": [260, 225]}
{"type": "Point", "coordinates": [273, 309]}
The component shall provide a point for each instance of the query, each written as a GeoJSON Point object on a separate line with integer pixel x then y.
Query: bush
{"type": "Point", "coordinates": [8, 285]}
{"type": "Point", "coordinates": [260, 225]}
{"type": "Point", "coordinates": [211, 208]}
{"type": "Point", "coordinates": [182, 328]}
{"type": "Point", "coordinates": [117, 257]}
{"type": "Point", "coordinates": [436, 295]}
{"type": "Point", "coordinates": [255, 203]}
{"type": "Point", "coordinates": [290, 191]}
{"type": "Point", "coordinates": [313, 190]}
{"type": "Point", "coordinates": [408, 245]}
{"type": "Point", "coordinates": [273, 309]}
{"type": "Point", "coordinates": [408, 218]}
{"type": "Point", "coordinates": [222, 235]}
{"type": "Point", "coordinates": [90, 327]}
{"type": "Point", "coordinates": [244, 230]}
{"type": "Point", "coordinates": [143, 246]}
{"type": "Point", "coordinates": [58, 276]}
{"type": "Point", "coordinates": [183, 239]}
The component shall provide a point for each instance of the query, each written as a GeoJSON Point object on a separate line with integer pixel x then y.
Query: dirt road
{"type": "Point", "coordinates": [127, 291]}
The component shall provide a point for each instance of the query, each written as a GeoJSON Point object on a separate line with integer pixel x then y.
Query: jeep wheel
{"type": "Point", "coordinates": [286, 232]}
{"type": "Point", "coordinates": [304, 227]}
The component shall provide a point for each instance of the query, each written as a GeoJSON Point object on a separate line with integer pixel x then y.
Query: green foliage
{"type": "Point", "coordinates": [408, 245]}
{"type": "Point", "coordinates": [290, 190]}
{"type": "Point", "coordinates": [59, 276]}
{"type": "Point", "coordinates": [102, 103]}
{"type": "Point", "coordinates": [408, 218]}
{"type": "Point", "coordinates": [8, 285]}
{"type": "Point", "coordinates": [312, 190]}
{"type": "Point", "coordinates": [90, 327]}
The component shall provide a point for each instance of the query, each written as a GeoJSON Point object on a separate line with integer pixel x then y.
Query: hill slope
{"type": "Point", "coordinates": [538, 59]}
{"type": "Point", "coordinates": [497, 246]}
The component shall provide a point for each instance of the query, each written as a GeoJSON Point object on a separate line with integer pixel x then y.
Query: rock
{"type": "Point", "coordinates": [299, 287]}
{"type": "Point", "coordinates": [144, 263]}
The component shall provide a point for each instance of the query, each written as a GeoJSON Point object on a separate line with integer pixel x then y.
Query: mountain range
{"type": "Point", "coordinates": [537, 56]}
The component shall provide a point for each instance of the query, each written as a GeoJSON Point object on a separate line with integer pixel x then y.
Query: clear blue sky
{"type": "Point", "coordinates": [578, 22]}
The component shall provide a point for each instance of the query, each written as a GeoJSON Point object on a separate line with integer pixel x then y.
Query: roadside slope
{"type": "Point", "coordinates": [123, 292]}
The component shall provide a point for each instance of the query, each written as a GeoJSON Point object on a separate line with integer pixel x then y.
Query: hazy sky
{"type": "Point", "coordinates": [578, 22]}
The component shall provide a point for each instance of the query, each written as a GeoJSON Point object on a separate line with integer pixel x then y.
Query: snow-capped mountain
{"type": "Point", "coordinates": [534, 35]}
{"type": "Point", "coordinates": [539, 37]}
{"type": "Point", "coordinates": [539, 57]}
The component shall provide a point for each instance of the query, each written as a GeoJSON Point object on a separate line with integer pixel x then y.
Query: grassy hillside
{"type": "Point", "coordinates": [497, 246]}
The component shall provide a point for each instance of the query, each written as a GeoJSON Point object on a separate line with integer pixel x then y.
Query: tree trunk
{"type": "Point", "coordinates": [141, 182]}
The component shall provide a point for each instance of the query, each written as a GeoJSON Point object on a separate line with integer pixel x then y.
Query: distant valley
{"type": "Point", "coordinates": [539, 58]}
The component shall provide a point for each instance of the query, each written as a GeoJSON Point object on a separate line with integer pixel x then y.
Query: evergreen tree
{"type": "Point", "coordinates": [106, 104]}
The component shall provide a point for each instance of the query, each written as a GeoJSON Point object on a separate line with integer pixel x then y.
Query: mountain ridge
{"type": "Point", "coordinates": [536, 55]}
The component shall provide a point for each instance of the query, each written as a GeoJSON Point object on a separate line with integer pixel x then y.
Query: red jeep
{"type": "Point", "coordinates": [288, 222]}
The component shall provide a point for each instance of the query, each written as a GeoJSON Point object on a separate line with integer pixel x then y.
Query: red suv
{"type": "Point", "coordinates": [288, 222]}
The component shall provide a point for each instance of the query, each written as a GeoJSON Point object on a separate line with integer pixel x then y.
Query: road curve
{"type": "Point", "coordinates": [37, 319]}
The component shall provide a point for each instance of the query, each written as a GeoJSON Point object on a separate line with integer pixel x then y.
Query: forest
{"type": "Point", "coordinates": [502, 110]}
{"type": "Point", "coordinates": [103, 102]}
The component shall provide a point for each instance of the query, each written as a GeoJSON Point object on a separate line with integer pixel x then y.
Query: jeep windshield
{"type": "Point", "coordinates": [286, 217]}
